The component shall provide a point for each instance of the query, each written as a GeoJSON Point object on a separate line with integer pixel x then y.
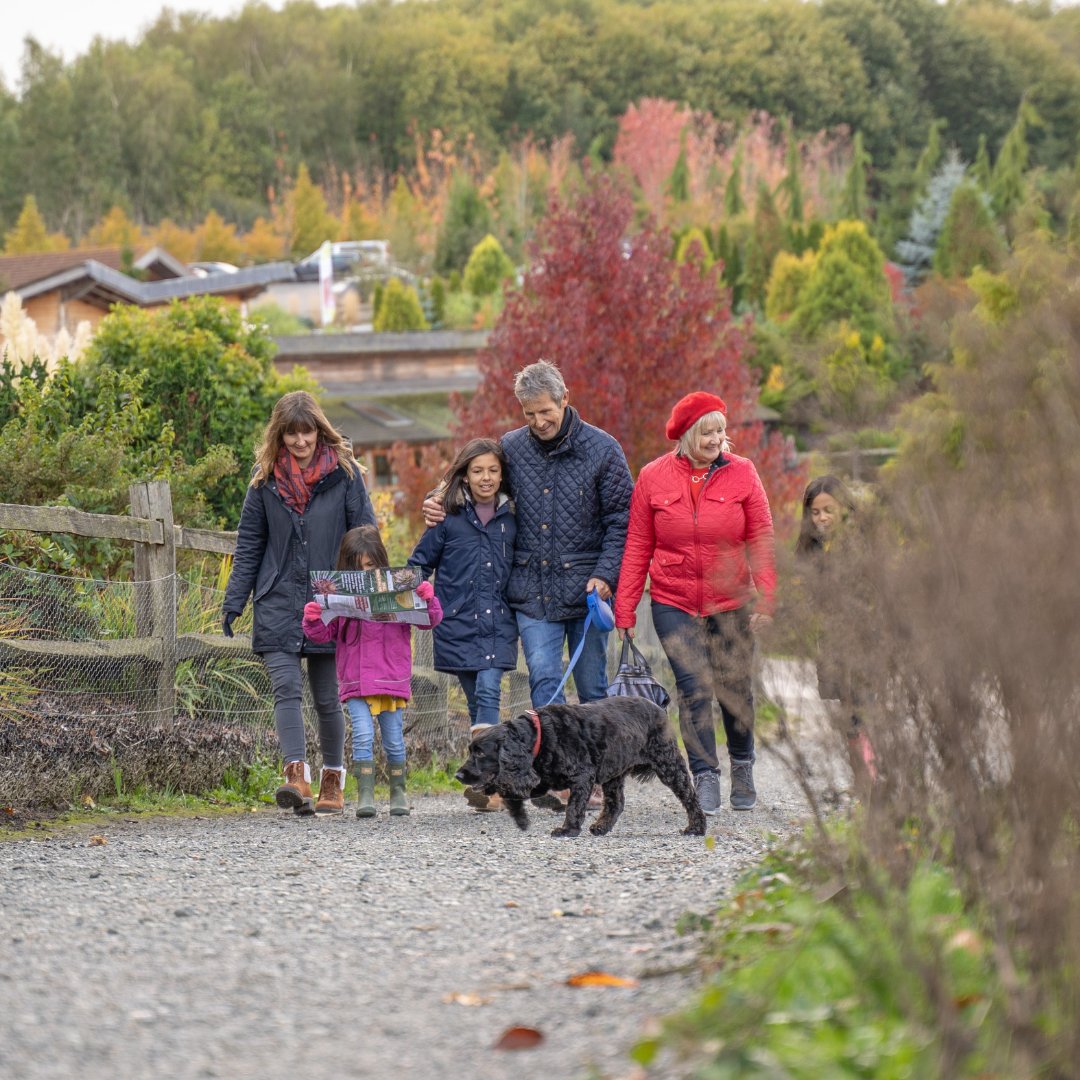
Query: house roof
{"type": "Point", "coordinates": [99, 283]}
{"type": "Point", "coordinates": [19, 270]}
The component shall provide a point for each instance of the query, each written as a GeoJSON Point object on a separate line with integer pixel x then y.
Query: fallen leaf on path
{"type": "Point", "coordinates": [96, 841]}
{"type": "Point", "coordinates": [465, 999]}
{"type": "Point", "coordinates": [88, 802]}
{"type": "Point", "coordinates": [599, 978]}
{"type": "Point", "coordinates": [426, 928]}
{"type": "Point", "coordinates": [518, 1038]}
{"type": "Point", "coordinates": [9, 810]}
{"type": "Point", "coordinates": [771, 929]}
{"type": "Point", "coordinates": [964, 1000]}
{"type": "Point", "coordinates": [710, 843]}
{"type": "Point", "coordinates": [511, 903]}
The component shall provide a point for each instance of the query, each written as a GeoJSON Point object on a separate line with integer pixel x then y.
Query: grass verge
{"type": "Point", "coordinates": [810, 976]}
{"type": "Point", "coordinates": [243, 788]}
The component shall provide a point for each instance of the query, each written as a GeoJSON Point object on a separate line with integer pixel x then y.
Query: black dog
{"type": "Point", "coordinates": [575, 747]}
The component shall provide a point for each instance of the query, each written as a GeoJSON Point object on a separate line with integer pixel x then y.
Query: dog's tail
{"type": "Point", "coordinates": [643, 773]}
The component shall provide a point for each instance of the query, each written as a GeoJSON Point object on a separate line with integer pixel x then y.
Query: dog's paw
{"type": "Point", "coordinates": [600, 827]}
{"type": "Point", "coordinates": [562, 832]}
{"type": "Point", "coordinates": [522, 822]}
{"type": "Point", "coordinates": [695, 830]}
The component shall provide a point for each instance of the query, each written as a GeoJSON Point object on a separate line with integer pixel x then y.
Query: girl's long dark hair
{"type": "Point", "coordinates": [358, 542]}
{"type": "Point", "coordinates": [809, 541]}
{"type": "Point", "coordinates": [455, 489]}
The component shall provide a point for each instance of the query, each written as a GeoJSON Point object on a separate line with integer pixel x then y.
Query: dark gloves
{"type": "Point", "coordinates": [226, 625]}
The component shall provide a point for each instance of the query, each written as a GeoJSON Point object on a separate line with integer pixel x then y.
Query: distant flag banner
{"type": "Point", "coordinates": [326, 283]}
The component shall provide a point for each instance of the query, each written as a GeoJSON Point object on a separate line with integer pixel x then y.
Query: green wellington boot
{"type": "Point", "coordinates": [398, 804]}
{"type": "Point", "coordinates": [364, 771]}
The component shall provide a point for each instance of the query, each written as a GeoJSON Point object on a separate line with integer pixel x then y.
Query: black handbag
{"type": "Point", "coordinates": [635, 677]}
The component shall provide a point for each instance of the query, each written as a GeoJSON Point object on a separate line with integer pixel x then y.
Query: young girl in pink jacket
{"type": "Point", "coordinates": [374, 670]}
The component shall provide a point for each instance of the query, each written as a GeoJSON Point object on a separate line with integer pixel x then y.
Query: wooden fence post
{"type": "Point", "coordinates": [155, 586]}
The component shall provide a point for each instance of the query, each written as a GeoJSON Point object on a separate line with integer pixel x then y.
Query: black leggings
{"type": "Point", "coordinates": [711, 656]}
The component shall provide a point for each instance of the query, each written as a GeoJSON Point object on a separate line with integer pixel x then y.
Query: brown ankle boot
{"type": "Point", "coordinates": [331, 792]}
{"type": "Point", "coordinates": [295, 793]}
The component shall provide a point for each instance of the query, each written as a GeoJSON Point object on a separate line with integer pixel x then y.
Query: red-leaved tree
{"type": "Point", "coordinates": [417, 472]}
{"type": "Point", "coordinates": [631, 330]}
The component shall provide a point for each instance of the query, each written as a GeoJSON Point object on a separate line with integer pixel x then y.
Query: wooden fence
{"type": "Point", "coordinates": [156, 644]}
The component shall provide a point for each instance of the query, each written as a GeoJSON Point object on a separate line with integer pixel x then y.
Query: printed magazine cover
{"type": "Point", "coordinates": [385, 594]}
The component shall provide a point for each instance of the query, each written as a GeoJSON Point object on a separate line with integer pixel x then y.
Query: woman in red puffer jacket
{"type": "Point", "coordinates": [701, 528]}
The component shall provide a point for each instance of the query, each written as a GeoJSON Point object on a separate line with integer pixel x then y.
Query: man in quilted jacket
{"type": "Point", "coordinates": [571, 487]}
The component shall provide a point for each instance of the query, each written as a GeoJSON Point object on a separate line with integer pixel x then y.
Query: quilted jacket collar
{"type": "Point", "coordinates": [571, 425]}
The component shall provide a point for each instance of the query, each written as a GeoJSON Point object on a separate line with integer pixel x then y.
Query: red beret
{"type": "Point", "coordinates": [689, 410]}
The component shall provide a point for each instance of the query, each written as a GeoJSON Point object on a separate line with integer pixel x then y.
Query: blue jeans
{"type": "Point", "coordinates": [711, 656]}
{"type": "Point", "coordinates": [391, 724]}
{"type": "Point", "coordinates": [482, 691]}
{"type": "Point", "coordinates": [542, 643]}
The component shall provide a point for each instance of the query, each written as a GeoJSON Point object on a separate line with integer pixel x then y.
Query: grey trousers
{"type": "Point", "coordinates": [285, 678]}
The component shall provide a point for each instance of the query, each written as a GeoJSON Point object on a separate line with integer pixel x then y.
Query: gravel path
{"type": "Point", "coordinates": [268, 946]}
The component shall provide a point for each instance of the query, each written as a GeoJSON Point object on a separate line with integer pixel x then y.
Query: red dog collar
{"type": "Point", "coordinates": [534, 716]}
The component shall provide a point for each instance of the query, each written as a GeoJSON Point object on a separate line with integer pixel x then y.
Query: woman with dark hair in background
{"type": "Point", "coordinates": [306, 492]}
{"type": "Point", "coordinates": [827, 511]}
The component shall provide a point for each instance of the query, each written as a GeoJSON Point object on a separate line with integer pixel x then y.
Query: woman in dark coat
{"type": "Point", "coordinates": [306, 492]}
{"type": "Point", "coordinates": [471, 552]}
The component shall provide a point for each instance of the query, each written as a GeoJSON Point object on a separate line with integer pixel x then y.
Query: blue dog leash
{"type": "Point", "coordinates": [601, 615]}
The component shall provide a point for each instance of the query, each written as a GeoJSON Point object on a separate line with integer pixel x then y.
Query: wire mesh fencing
{"type": "Point", "coordinates": [80, 704]}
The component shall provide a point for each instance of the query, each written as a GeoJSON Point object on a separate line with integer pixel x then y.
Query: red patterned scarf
{"type": "Point", "coordinates": [295, 484]}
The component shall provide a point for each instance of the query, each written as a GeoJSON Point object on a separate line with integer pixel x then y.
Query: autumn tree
{"type": "Point", "coordinates": [262, 243]}
{"type": "Point", "coordinates": [631, 330]}
{"type": "Point", "coordinates": [649, 144]}
{"type": "Point", "coordinates": [30, 234]}
{"type": "Point", "coordinates": [311, 222]}
{"type": "Point", "coordinates": [175, 239]}
{"type": "Point", "coordinates": [417, 470]}
{"type": "Point", "coordinates": [115, 229]}
{"type": "Point", "coordinates": [217, 240]}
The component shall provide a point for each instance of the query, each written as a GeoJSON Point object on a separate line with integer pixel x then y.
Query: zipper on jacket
{"type": "Point", "coordinates": [714, 467]}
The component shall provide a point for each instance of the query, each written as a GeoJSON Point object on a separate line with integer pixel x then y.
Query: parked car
{"type": "Point", "coordinates": [205, 269]}
{"type": "Point", "coordinates": [345, 256]}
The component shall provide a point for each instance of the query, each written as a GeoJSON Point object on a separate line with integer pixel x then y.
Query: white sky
{"type": "Point", "coordinates": [68, 26]}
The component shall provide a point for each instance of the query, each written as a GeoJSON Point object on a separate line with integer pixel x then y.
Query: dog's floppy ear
{"type": "Point", "coordinates": [516, 775]}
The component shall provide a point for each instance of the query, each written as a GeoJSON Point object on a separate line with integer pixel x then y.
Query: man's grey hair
{"type": "Point", "coordinates": [536, 380]}
{"type": "Point", "coordinates": [690, 435]}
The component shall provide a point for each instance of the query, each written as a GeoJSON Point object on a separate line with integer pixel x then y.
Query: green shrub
{"type": "Point", "coordinates": [399, 309]}
{"type": "Point", "coordinates": [488, 267]}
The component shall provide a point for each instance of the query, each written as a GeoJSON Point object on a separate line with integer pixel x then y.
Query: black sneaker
{"type": "Point", "coordinates": [707, 784]}
{"type": "Point", "coordinates": [743, 793]}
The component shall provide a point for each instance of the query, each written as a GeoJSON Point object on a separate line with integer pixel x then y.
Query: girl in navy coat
{"type": "Point", "coordinates": [471, 552]}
